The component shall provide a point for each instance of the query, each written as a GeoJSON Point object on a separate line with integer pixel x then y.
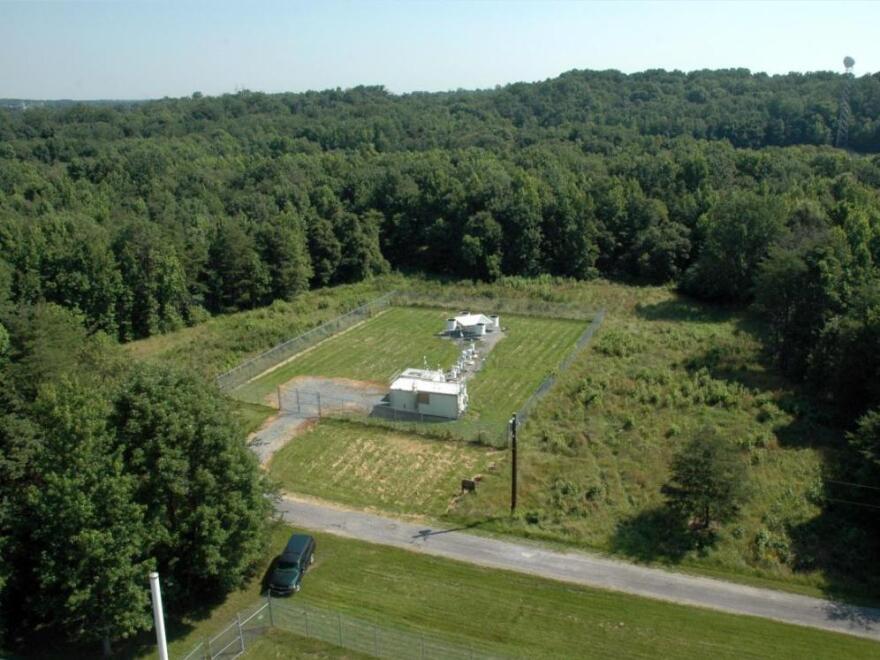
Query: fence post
{"type": "Point", "coordinates": [208, 648]}
{"type": "Point", "coordinates": [278, 394]}
{"type": "Point", "coordinates": [298, 408]}
{"type": "Point", "coordinates": [319, 404]}
{"type": "Point", "coordinates": [240, 633]}
{"type": "Point", "coordinates": [269, 603]}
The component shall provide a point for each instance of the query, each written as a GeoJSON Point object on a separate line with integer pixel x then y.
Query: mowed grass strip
{"type": "Point", "coordinates": [375, 350]}
{"type": "Point", "coordinates": [367, 466]}
{"type": "Point", "coordinates": [521, 615]}
{"type": "Point", "coordinates": [532, 349]}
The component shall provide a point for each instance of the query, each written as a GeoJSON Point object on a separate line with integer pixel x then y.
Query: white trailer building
{"type": "Point", "coordinates": [473, 325]}
{"type": "Point", "coordinates": [426, 392]}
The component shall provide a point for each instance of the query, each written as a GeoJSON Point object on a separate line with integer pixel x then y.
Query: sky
{"type": "Point", "coordinates": [150, 49]}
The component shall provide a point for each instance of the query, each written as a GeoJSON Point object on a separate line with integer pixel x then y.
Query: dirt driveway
{"type": "Point", "coordinates": [306, 398]}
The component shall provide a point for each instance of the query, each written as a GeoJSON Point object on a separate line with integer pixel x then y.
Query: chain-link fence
{"type": "Point", "coordinates": [514, 306]}
{"type": "Point", "coordinates": [523, 413]}
{"type": "Point", "coordinates": [337, 628]}
{"type": "Point", "coordinates": [372, 410]}
{"type": "Point", "coordinates": [285, 350]}
{"type": "Point", "coordinates": [233, 640]}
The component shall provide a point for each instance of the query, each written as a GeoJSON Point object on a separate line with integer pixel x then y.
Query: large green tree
{"type": "Point", "coordinates": [236, 277]}
{"type": "Point", "coordinates": [89, 556]}
{"type": "Point", "coordinates": [282, 244]}
{"type": "Point", "coordinates": [205, 497]}
{"type": "Point", "coordinates": [708, 482]}
{"type": "Point", "coordinates": [737, 233]}
{"type": "Point", "coordinates": [154, 297]}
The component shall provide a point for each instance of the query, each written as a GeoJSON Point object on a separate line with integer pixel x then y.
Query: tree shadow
{"type": "Point", "coordinates": [838, 542]}
{"type": "Point", "coordinates": [657, 534]}
{"type": "Point", "coordinates": [682, 308]}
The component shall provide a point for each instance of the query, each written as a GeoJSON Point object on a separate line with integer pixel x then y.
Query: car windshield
{"type": "Point", "coordinates": [286, 564]}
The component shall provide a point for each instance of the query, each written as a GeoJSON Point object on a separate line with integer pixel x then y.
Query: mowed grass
{"type": "Point", "coordinates": [366, 466]}
{"type": "Point", "coordinates": [531, 351]}
{"type": "Point", "coordinates": [516, 614]}
{"type": "Point", "coordinates": [404, 336]}
{"type": "Point", "coordinates": [277, 644]}
{"type": "Point", "coordinates": [375, 350]}
{"type": "Point", "coordinates": [224, 341]}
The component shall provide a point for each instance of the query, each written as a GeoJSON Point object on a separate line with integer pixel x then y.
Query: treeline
{"type": "Point", "coordinates": [106, 473]}
{"type": "Point", "coordinates": [595, 109]}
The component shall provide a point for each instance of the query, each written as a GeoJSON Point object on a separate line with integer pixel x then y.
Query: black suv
{"type": "Point", "coordinates": [292, 563]}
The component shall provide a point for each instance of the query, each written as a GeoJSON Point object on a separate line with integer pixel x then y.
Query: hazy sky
{"type": "Point", "coordinates": [151, 49]}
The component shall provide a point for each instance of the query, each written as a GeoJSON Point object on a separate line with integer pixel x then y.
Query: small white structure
{"type": "Point", "coordinates": [427, 392]}
{"type": "Point", "coordinates": [473, 325]}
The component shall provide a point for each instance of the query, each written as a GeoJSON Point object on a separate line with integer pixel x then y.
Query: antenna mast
{"type": "Point", "coordinates": [843, 112]}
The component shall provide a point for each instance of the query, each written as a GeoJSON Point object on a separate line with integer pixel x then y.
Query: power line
{"type": "Point", "coordinates": [849, 483]}
{"type": "Point", "coordinates": [869, 506]}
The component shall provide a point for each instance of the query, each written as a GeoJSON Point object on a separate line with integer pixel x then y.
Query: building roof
{"type": "Point", "coordinates": [425, 374]}
{"type": "Point", "coordinates": [406, 384]}
{"type": "Point", "coordinates": [472, 319]}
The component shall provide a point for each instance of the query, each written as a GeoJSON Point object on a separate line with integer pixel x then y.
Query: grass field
{"type": "Point", "coordinates": [517, 614]}
{"type": "Point", "coordinates": [282, 645]}
{"type": "Point", "coordinates": [518, 364]}
{"type": "Point", "coordinates": [403, 336]}
{"type": "Point", "coordinates": [223, 342]}
{"type": "Point", "coordinates": [365, 466]}
{"type": "Point", "coordinates": [372, 351]}
{"type": "Point", "coordinates": [661, 369]}
{"type": "Point", "coordinates": [596, 451]}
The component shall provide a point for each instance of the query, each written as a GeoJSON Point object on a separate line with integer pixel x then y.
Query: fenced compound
{"type": "Point", "coordinates": [333, 627]}
{"type": "Point", "coordinates": [335, 400]}
{"type": "Point", "coordinates": [284, 351]}
{"type": "Point", "coordinates": [315, 398]}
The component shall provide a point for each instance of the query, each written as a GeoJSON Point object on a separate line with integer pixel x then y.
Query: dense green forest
{"type": "Point", "coordinates": [146, 217]}
{"type": "Point", "coordinates": [123, 221]}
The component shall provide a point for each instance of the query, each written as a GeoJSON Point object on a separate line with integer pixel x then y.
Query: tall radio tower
{"type": "Point", "coordinates": [843, 112]}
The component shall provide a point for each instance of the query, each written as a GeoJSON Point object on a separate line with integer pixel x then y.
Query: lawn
{"type": "Point", "coordinates": [517, 614]}
{"type": "Point", "coordinates": [405, 336]}
{"type": "Point", "coordinates": [224, 341]}
{"type": "Point", "coordinates": [279, 644]}
{"type": "Point", "coordinates": [366, 466]}
{"type": "Point", "coordinates": [374, 351]}
{"type": "Point", "coordinates": [532, 349]}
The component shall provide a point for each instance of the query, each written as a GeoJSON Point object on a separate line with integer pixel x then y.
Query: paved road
{"type": "Point", "coordinates": [585, 569]}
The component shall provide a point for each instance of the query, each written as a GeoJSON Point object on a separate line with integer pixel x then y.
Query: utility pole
{"type": "Point", "coordinates": [158, 615]}
{"type": "Point", "coordinates": [513, 463]}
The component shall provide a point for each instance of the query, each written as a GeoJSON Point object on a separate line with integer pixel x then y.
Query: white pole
{"type": "Point", "coordinates": [158, 615]}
